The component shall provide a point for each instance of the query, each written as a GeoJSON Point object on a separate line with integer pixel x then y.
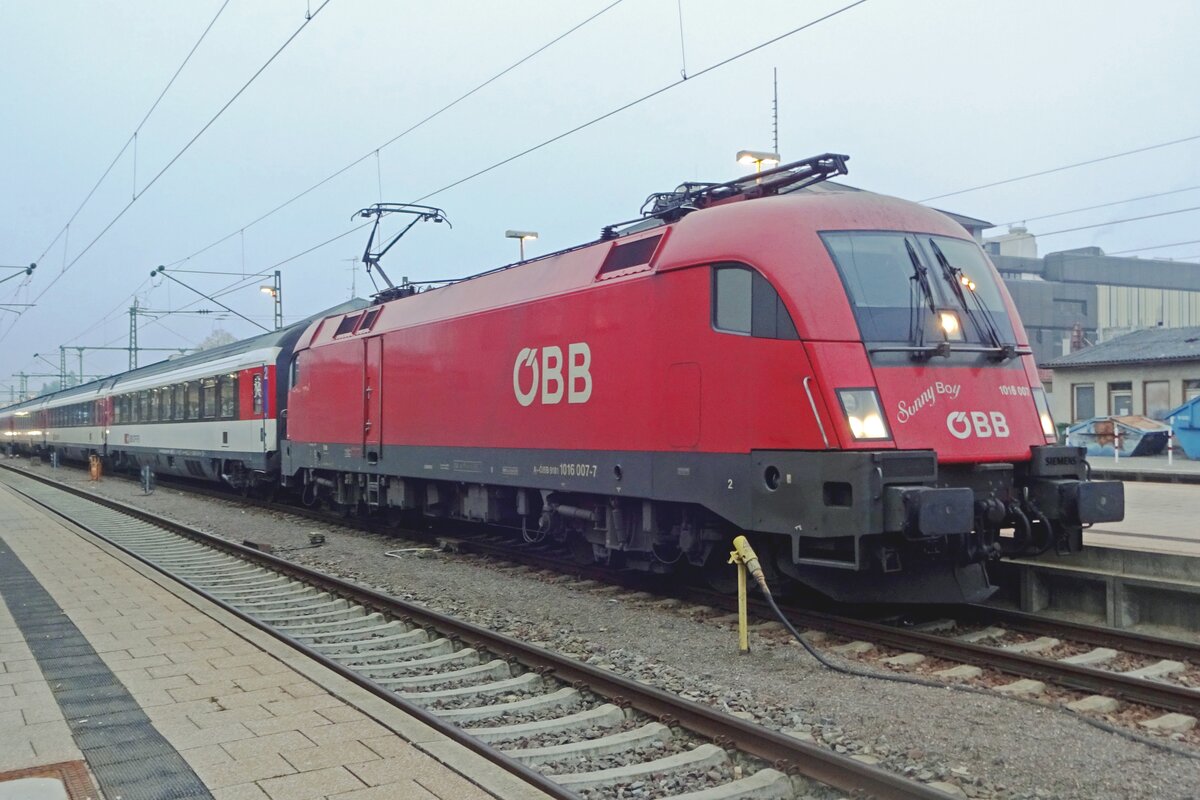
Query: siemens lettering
{"type": "Point", "coordinates": [547, 374]}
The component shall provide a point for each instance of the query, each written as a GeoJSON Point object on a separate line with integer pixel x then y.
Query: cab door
{"type": "Point", "coordinates": [373, 398]}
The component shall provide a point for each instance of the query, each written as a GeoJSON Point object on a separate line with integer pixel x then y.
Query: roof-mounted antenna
{"type": "Point", "coordinates": [371, 257]}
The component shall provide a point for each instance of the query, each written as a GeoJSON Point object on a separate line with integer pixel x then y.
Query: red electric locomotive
{"type": "Point", "coordinates": [839, 374]}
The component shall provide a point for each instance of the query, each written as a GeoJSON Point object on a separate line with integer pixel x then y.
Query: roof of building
{"type": "Point", "coordinates": [1153, 345]}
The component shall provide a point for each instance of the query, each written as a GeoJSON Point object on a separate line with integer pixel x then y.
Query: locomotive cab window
{"type": "Point", "coordinates": [745, 302]}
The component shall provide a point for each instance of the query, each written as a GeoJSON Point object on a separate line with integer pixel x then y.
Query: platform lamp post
{"type": "Point", "coordinates": [275, 289]}
{"type": "Point", "coordinates": [522, 237]}
{"type": "Point", "coordinates": [758, 158]}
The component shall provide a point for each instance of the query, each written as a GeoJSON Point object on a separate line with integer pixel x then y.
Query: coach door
{"type": "Point", "coordinates": [373, 398]}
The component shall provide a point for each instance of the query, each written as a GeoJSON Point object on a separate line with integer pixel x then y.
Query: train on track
{"type": "Point", "coordinates": [838, 373]}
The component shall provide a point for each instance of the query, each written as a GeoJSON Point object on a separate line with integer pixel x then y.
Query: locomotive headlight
{"type": "Point", "coordinates": [1043, 409]}
{"type": "Point", "coordinates": [949, 323]}
{"type": "Point", "coordinates": [864, 413]}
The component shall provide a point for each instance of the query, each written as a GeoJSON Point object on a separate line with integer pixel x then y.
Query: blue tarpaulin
{"type": "Point", "coordinates": [1140, 436]}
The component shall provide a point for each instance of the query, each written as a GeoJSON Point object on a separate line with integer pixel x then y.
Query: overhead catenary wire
{"type": "Point", "coordinates": [420, 123]}
{"type": "Point", "coordinates": [1063, 168]}
{"type": "Point", "coordinates": [644, 98]}
{"type": "Point", "coordinates": [169, 164]}
{"type": "Point", "coordinates": [237, 285]}
{"type": "Point", "coordinates": [133, 136]}
{"type": "Point", "coordinates": [247, 280]}
{"type": "Point", "coordinates": [1118, 221]}
{"type": "Point", "coordinates": [1024, 220]}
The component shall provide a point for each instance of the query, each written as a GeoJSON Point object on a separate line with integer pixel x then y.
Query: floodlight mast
{"type": "Point", "coordinates": [371, 258]}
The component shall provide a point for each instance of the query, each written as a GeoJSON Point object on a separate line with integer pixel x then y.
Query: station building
{"type": "Point", "coordinates": [1145, 373]}
{"type": "Point", "coordinates": [1111, 334]}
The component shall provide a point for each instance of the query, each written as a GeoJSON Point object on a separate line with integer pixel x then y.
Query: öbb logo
{"type": "Point", "coordinates": [983, 424]}
{"type": "Point", "coordinates": [547, 374]}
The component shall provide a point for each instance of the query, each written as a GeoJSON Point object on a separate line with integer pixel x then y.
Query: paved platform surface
{"type": "Point", "coordinates": [1159, 518]}
{"type": "Point", "coordinates": [1181, 469]}
{"type": "Point", "coordinates": [166, 695]}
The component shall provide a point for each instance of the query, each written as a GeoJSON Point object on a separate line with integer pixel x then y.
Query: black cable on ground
{"type": "Point", "coordinates": [958, 687]}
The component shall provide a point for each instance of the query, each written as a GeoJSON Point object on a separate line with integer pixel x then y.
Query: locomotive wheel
{"type": "Point", "coordinates": [581, 551]}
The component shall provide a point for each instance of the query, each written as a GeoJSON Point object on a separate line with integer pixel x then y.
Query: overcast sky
{"type": "Point", "coordinates": [926, 97]}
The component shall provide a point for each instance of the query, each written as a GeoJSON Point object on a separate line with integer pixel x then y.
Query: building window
{"type": "Point", "coordinates": [1191, 389]}
{"type": "Point", "coordinates": [1085, 400]}
{"type": "Point", "coordinates": [1120, 399]}
{"type": "Point", "coordinates": [1156, 399]}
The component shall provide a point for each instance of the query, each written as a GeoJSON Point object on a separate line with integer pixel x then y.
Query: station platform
{"type": "Point", "coordinates": [115, 683]}
{"type": "Point", "coordinates": [1159, 518]}
{"type": "Point", "coordinates": [1180, 469]}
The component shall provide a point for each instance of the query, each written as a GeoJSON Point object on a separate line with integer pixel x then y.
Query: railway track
{"type": "Point", "coordinates": [1104, 673]}
{"type": "Point", "coordinates": [567, 727]}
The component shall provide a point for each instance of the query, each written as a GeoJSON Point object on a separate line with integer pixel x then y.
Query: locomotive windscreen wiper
{"type": "Point", "coordinates": [916, 325]}
{"type": "Point", "coordinates": [961, 285]}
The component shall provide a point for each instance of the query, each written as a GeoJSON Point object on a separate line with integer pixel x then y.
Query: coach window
{"type": "Point", "coordinates": [208, 398]}
{"type": "Point", "coordinates": [178, 392]}
{"type": "Point", "coordinates": [228, 387]}
{"type": "Point", "coordinates": [164, 403]}
{"type": "Point", "coordinates": [193, 400]}
{"type": "Point", "coordinates": [745, 302]}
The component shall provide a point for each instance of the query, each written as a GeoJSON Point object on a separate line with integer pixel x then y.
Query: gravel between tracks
{"type": "Point", "coordinates": [988, 747]}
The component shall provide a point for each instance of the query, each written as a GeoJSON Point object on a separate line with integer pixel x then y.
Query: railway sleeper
{"type": "Point", "coordinates": [530, 681]}
{"type": "Point", "coordinates": [350, 620]}
{"type": "Point", "coordinates": [468, 656]}
{"type": "Point", "coordinates": [404, 655]}
{"type": "Point", "coordinates": [561, 700]}
{"type": "Point", "coordinates": [766, 784]}
{"type": "Point", "coordinates": [400, 640]}
{"type": "Point", "coordinates": [590, 748]}
{"type": "Point", "coordinates": [494, 670]}
{"type": "Point", "coordinates": [319, 607]}
{"type": "Point", "coordinates": [357, 636]}
{"type": "Point", "coordinates": [705, 756]}
{"type": "Point", "coordinates": [245, 576]}
{"type": "Point", "coordinates": [602, 716]}
{"type": "Point", "coordinates": [251, 584]}
{"type": "Point", "coordinates": [293, 604]}
{"type": "Point", "coordinates": [189, 564]}
{"type": "Point", "coordinates": [285, 590]}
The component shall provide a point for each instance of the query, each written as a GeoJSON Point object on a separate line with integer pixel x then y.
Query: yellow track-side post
{"type": "Point", "coordinates": [735, 557]}
{"type": "Point", "coordinates": [94, 468]}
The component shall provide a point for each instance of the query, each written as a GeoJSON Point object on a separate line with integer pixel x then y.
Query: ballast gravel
{"type": "Point", "coordinates": [986, 747]}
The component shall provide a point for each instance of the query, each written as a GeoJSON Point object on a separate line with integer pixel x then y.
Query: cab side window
{"type": "Point", "coordinates": [745, 302]}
